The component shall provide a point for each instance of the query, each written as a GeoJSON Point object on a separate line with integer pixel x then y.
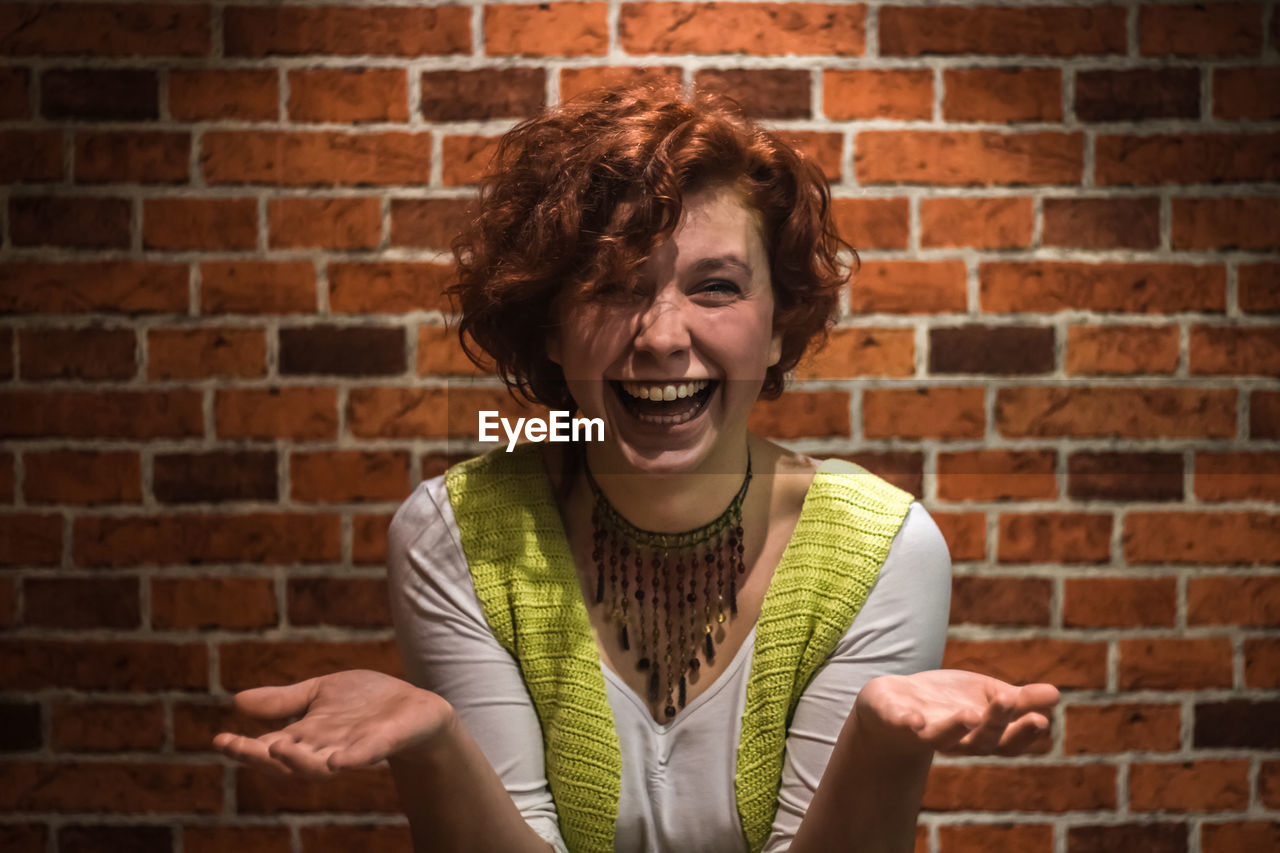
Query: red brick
{"type": "Point", "coordinates": [982, 600]}
{"type": "Point", "coordinates": [1189, 786]}
{"type": "Point", "coordinates": [92, 222]}
{"type": "Point", "coordinates": [873, 93]}
{"type": "Point", "coordinates": [348, 95]}
{"type": "Point", "coordinates": [428, 223]}
{"type": "Point", "coordinates": [356, 791]}
{"type": "Point", "coordinates": [208, 94]}
{"type": "Point", "coordinates": [1225, 223]}
{"type": "Point", "coordinates": [1102, 729]}
{"type": "Point", "coordinates": [996, 475]}
{"type": "Point", "coordinates": [30, 155]}
{"type": "Point", "coordinates": [100, 94]}
{"type": "Point", "coordinates": [388, 287]}
{"type": "Point", "coordinates": [30, 539]}
{"type": "Point", "coordinates": [1174, 663]}
{"type": "Point", "coordinates": [258, 287]}
{"type": "Point", "coordinates": [1207, 158]}
{"type": "Point", "coordinates": [1244, 93]}
{"type": "Point", "coordinates": [1237, 476]}
{"type": "Point", "coordinates": [978, 838]}
{"type": "Point", "coordinates": [103, 29]}
{"type": "Point", "coordinates": [251, 839]}
{"type": "Point", "coordinates": [1269, 784]}
{"type": "Point", "coordinates": [861, 352]}
{"type": "Point", "coordinates": [264, 662]}
{"type": "Point", "coordinates": [207, 538]}
{"type": "Point", "coordinates": [351, 602]}
{"type": "Point", "coordinates": [294, 413]}
{"type": "Point", "coordinates": [84, 353]}
{"type": "Point", "coordinates": [234, 603]}
{"type": "Point", "coordinates": [1147, 837]}
{"type": "Point", "coordinates": [1243, 601]}
{"type": "Point", "coordinates": [330, 350]}
{"type": "Point", "coordinates": [206, 352]}
{"type": "Point", "coordinates": [369, 539]}
{"type": "Point", "coordinates": [762, 29]}
{"type": "Point", "coordinates": [979, 223]}
{"type": "Point", "coordinates": [1213, 538]}
{"type": "Point", "coordinates": [1121, 350]}
{"type": "Point", "coordinates": [577, 81]}
{"type": "Point", "coordinates": [315, 159]}
{"type": "Point", "coordinates": [937, 412]}
{"type": "Point", "coordinates": [214, 475]}
{"type": "Point", "coordinates": [135, 839]}
{"type": "Point", "coordinates": [992, 350]}
{"type": "Point", "coordinates": [8, 607]}
{"type": "Point", "coordinates": [1035, 788]}
{"type": "Point", "coordinates": [15, 93]}
{"type": "Point", "coordinates": [763, 93]}
{"type": "Point", "coordinates": [338, 838]}
{"type": "Point", "coordinates": [1002, 94]}
{"type": "Point", "coordinates": [908, 287]}
{"type": "Point", "coordinates": [1115, 412]}
{"type": "Point", "coordinates": [1234, 837]}
{"type": "Point", "coordinates": [873, 223]}
{"type": "Point", "coordinates": [1064, 663]}
{"type": "Point", "coordinates": [200, 223]}
{"type": "Point", "coordinates": [23, 836]}
{"type": "Point", "coordinates": [903, 468]}
{"type": "Point", "coordinates": [1258, 288]}
{"type": "Point", "coordinates": [117, 787]}
{"type": "Point", "coordinates": [82, 477]}
{"type": "Point", "coordinates": [823, 149]}
{"type": "Point", "coordinates": [1046, 286]}
{"type": "Point", "coordinates": [89, 726]}
{"type": "Point", "coordinates": [483, 93]}
{"type": "Point", "coordinates": [1264, 414]}
{"type": "Point", "coordinates": [347, 31]}
{"type": "Point", "coordinates": [466, 158]}
{"type": "Point", "coordinates": [324, 223]}
{"type": "Point", "coordinates": [968, 158]}
{"type": "Point", "coordinates": [1008, 31]}
{"type": "Point", "coordinates": [390, 412]}
{"type": "Point", "coordinates": [1119, 602]}
{"type": "Point", "coordinates": [341, 476]}
{"type": "Point", "coordinates": [1138, 93]}
{"type": "Point", "coordinates": [1219, 29]}
{"type": "Point", "coordinates": [132, 157]}
{"type": "Point", "coordinates": [6, 356]}
{"type": "Point", "coordinates": [1054, 537]}
{"type": "Point", "coordinates": [114, 665]}
{"type": "Point", "coordinates": [798, 414]}
{"type": "Point", "coordinates": [195, 723]}
{"type": "Point", "coordinates": [101, 414]}
{"type": "Point", "coordinates": [1102, 223]}
{"type": "Point", "coordinates": [7, 482]}
{"type": "Point", "coordinates": [1262, 663]}
{"type": "Point", "coordinates": [440, 354]}
{"type": "Point", "coordinates": [1121, 476]}
{"type": "Point", "coordinates": [130, 287]}
{"type": "Point", "coordinates": [548, 29]}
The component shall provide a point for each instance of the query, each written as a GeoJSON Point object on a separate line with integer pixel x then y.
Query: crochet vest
{"type": "Point", "coordinates": [528, 588]}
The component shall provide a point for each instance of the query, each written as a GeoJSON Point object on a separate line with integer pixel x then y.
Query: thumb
{"type": "Point", "coordinates": [270, 703]}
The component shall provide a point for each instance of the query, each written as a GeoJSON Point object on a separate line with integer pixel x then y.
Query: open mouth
{"type": "Point", "coordinates": [665, 403]}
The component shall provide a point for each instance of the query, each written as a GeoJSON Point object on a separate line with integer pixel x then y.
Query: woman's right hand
{"type": "Point", "coordinates": [349, 719]}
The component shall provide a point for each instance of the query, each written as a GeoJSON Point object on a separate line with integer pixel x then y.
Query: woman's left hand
{"type": "Point", "coordinates": [953, 711]}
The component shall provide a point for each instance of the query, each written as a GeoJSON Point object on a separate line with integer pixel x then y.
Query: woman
{"type": "Point", "coordinates": [682, 637]}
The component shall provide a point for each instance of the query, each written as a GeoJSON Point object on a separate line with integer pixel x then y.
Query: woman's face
{"type": "Point", "coordinates": [675, 366]}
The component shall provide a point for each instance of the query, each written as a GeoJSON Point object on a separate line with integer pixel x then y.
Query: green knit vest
{"type": "Point", "coordinates": [527, 585]}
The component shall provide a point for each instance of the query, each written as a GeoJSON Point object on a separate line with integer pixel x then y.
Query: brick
{"type": "Point", "coordinates": [1174, 663]}
{"type": "Point", "coordinates": [1264, 414]}
{"type": "Point", "coordinates": [100, 94]}
{"type": "Point", "coordinates": [1002, 94]}
{"type": "Point", "coordinates": [195, 723]}
{"type": "Point", "coordinates": [1034, 788]}
{"type": "Point", "coordinates": [482, 94]}
{"type": "Point", "coordinates": [1119, 602]}
{"type": "Point", "coordinates": [23, 836]}
{"type": "Point", "coordinates": [1258, 288]}
{"type": "Point", "coordinates": [82, 477]}
{"type": "Point", "coordinates": [348, 95]}
{"type": "Point", "coordinates": [825, 150]}
{"type": "Point", "coordinates": [1137, 726]}
{"type": "Point", "coordinates": [979, 223]}
{"type": "Point", "coordinates": [336, 838]}
{"type": "Point", "coordinates": [1057, 537]}
{"type": "Point", "coordinates": [861, 352]}
{"type": "Point", "coordinates": [1064, 663]}
{"type": "Point", "coordinates": [1047, 286]}
{"type": "Point", "coordinates": [1237, 476]}
{"type": "Point", "coordinates": [908, 287]}
{"type": "Point", "coordinates": [341, 476]}
{"type": "Point", "coordinates": [127, 665]}
{"type": "Point", "coordinates": [100, 839]}
{"type": "Point", "coordinates": [321, 158]}
{"type": "Point", "coordinates": [207, 538]}
{"type": "Point", "coordinates": [101, 414]}
{"type": "Point", "coordinates": [1233, 837]}
{"type": "Point", "coordinates": [968, 158]}
{"type": "Point", "coordinates": [578, 81]}
{"type": "Point", "coordinates": [1225, 223]}
{"type": "Point", "coordinates": [132, 157]}
{"type": "Point", "coordinates": [206, 352]}
{"type": "Point", "coordinates": [101, 287]}
{"type": "Point", "coordinates": [937, 412]}
{"type": "Point", "coordinates": [7, 478]}
{"type": "Point", "coordinates": [214, 224]}
{"type": "Point", "coordinates": [995, 475]}
{"type": "Point", "coordinates": [390, 412]}
{"type": "Point", "coordinates": [73, 223]}
{"type": "Point", "coordinates": [1008, 31]}
{"type": "Point", "coordinates": [8, 605]}
{"type": "Point", "coordinates": [799, 414]}
{"type": "Point", "coordinates": [294, 413]}
{"type": "Point", "coordinates": [1121, 476]}
{"type": "Point", "coordinates": [872, 93]}
{"type": "Point", "coordinates": [1115, 412]}
{"type": "Point", "coordinates": [220, 475]}
{"type": "Point", "coordinates": [1028, 838]}
{"type": "Point", "coordinates": [1237, 724]}
{"type": "Point", "coordinates": [1232, 600]}
{"type": "Point", "coordinates": [1208, 158]}
{"type": "Point", "coordinates": [210, 94]}
{"type": "Point", "coordinates": [77, 353]}
{"type": "Point", "coordinates": [1269, 783]}
{"type": "Point", "coordinates": [1008, 601]}
{"type": "Point", "coordinates": [324, 223]}
{"type": "Point", "coordinates": [102, 726]}
{"type": "Point", "coordinates": [258, 287]}
{"type": "Point", "coordinates": [355, 791]}
{"type": "Point", "coordinates": [118, 787]}
{"type": "Point", "coordinates": [1148, 837]}
{"type": "Point", "coordinates": [428, 223]}
{"type": "Point", "coordinates": [369, 538]}
{"type": "Point", "coordinates": [548, 29]}
{"type": "Point", "coordinates": [998, 350]}
{"type": "Point", "coordinates": [1205, 785]}
{"type": "Point", "coordinates": [30, 539]}
{"type": "Point", "coordinates": [903, 468]}
{"type": "Point", "coordinates": [1220, 29]}
{"type": "Point", "coordinates": [6, 363]}
{"type": "Point", "coordinates": [82, 603]}
{"type": "Point", "coordinates": [1262, 663]}
{"type": "Point", "coordinates": [262, 662]}
{"type": "Point", "coordinates": [1223, 538]}
{"type": "Point", "coordinates": [30, 155]}
{"type": "Point", "coordinates": [873, 223]}
{"type": "Point", "coordinates": [217, 839]}
{"type": "Point", "coordinates": [1243, 93]}
{"type": "Point", "coordinates": [466, 158]}
{"type": "Point", "coordinates": [226, 603]}
{"type": "Point", "coordinates": [764, 93]}
{"type": "Point", "coordinates": [347, 31]}
{"type": "Point", "coordinates": [342, 351]}
{"type": "Point", "coordinates": [107, 29]}
{"type": "Point", "coordinates": [1101, 223]}
{"type": "Point", "coordinates": [1137, 94]}
{"type": "Point", "coordinates": [350, 602]}
{"type": "Point", "coordinates": [1122, 350]}
{"type": "Point", "coordinates": [388, 287]}
{"type": "Point", "coordinates": [760, 29]}
{"type": "Point", "coordinates": [20, 727]}
{"type": "Point", "coordinates": [15, 93]}
{"type": "Point", "coordinates": [440, 354]}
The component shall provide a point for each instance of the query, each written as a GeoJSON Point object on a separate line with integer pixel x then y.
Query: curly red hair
{"type": "Point", "coordinates": [578, 197]}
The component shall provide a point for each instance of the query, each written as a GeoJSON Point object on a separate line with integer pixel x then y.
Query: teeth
{"type": "Point", "coordinates": [664, 392]}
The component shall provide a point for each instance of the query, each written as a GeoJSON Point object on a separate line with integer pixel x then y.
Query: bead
{"type": "Point", "coordinates": [691, 597]}
{"type": "Point", "coordinates": [626, 644]}
{"type": "Point", "coordinates": [643, 663]}
{"type": "Point", "coordinates": [670, 712]}
{"type": "Point", "coordinates": [682, 692]}
{"type": "Point", "coordinates": [695, 664]}
{"type": "Point", "coordinates": [639, 595]}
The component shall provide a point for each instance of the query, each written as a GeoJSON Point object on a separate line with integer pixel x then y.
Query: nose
{"type": "Point", "coordinates": [663, 330]}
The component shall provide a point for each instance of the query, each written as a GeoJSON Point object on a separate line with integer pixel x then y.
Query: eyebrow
{"type": "Point", "coordinates": [721, 261]}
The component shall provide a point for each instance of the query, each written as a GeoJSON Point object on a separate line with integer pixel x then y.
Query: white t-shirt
{"type": "Point", "coordinates": [677, 779]}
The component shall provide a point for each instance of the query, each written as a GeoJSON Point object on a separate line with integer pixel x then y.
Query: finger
{"type": "Point", "coordinates": [272, 703]}
{"type": "Point", "coordinates": [945, 734]}
{"type": "Point", "coordinates": [1020, 736]}
{"type": "Point", "coordinates": [250, 751]}
{"type": "Point", "coordinates": [301, 757]}
{"type": "Point", "coordinates": [996, 717]}
{"type": "Point", "coordinates": [1036, 697]}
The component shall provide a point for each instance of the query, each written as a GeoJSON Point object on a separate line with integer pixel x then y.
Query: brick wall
{"type": "Point", "coordinates": [223, 363]}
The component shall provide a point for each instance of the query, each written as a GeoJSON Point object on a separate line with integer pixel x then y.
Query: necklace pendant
{"type": "Point", "coordinates": [626, 644]}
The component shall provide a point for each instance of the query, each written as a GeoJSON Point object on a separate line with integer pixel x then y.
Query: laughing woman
{"type": "Point", "coordinates": [683, 637]}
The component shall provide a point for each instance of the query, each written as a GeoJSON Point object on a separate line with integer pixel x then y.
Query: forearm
{"type": "Point", "coordinates": [455, 801]}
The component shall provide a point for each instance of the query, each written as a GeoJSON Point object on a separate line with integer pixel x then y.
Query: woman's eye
{"type": "Point", "coordinates": [720, 285]}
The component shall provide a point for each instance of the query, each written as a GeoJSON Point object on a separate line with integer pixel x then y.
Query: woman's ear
{"type": "Point", "coordinates": [775, 349]}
